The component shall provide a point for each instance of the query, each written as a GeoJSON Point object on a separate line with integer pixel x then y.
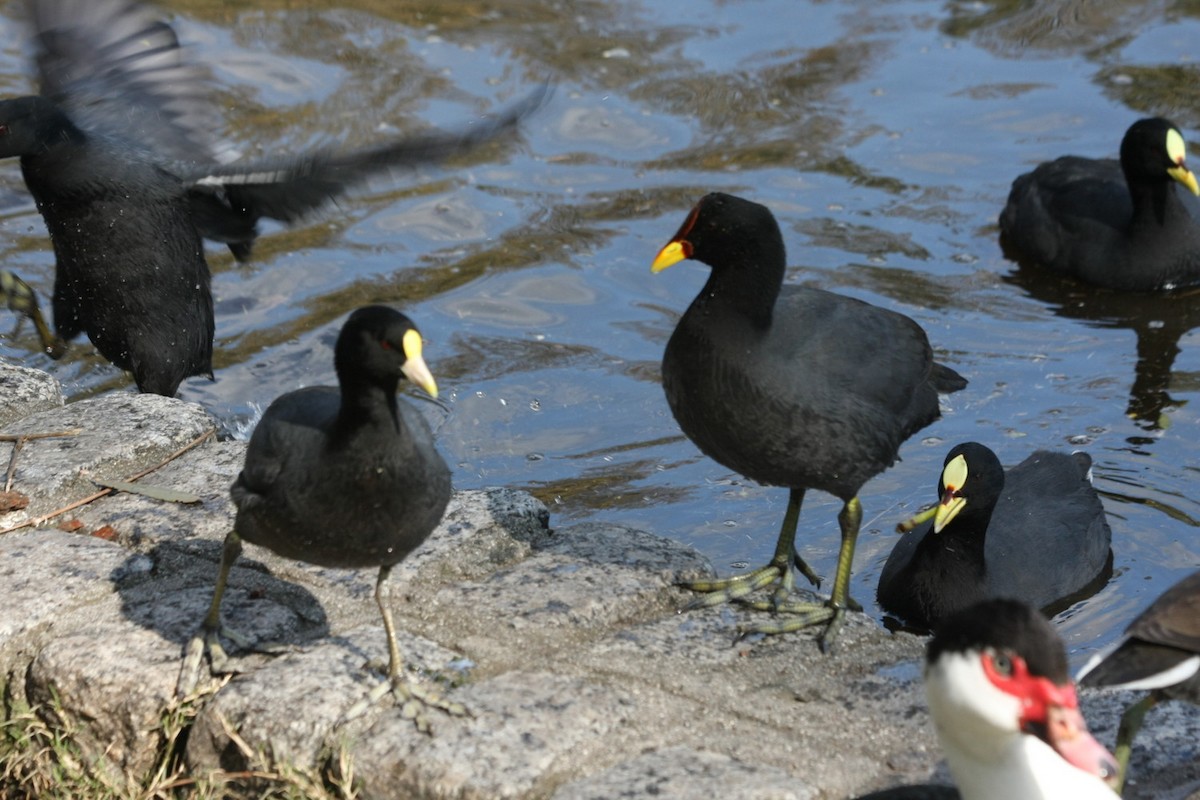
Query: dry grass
{"type": "Point", "coordinates": [39, 758]}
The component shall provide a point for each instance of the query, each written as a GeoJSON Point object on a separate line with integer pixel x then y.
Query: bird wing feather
{"type": "Point", "coordinates": [116, 69]}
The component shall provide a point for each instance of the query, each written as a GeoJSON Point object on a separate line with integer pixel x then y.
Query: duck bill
{"type": "Point", "coordinates": [1186, 177]}
{"type": "Point", "coordinates": [950, 507]}
{"type": "Point", "coordinates": [414, 367]}
{"type": "Point", "coordinates": [1068, 734]}
{"type": "Point", "coordinates": [673, 253]}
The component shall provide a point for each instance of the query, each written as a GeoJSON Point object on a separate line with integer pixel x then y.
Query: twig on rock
{"type": "Point", "coordinates": [19, 440]}
{"type": "Point", "coordinates": [104, 492]}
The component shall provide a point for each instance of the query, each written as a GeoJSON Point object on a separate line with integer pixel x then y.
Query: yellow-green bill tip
{"type": "Point", "coordinates": [1186, 177]}
{"type": "Point", "coordinates": [673, 253]}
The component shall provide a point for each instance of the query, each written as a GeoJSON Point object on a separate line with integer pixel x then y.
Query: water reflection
{"type": "Point", "coordinates": [1159, 321]}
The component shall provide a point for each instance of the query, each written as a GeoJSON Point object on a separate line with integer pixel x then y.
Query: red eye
{"type": "Point", "coordinates": [385, 344]}
{"type": "Point", "coordinates": [3, 129]}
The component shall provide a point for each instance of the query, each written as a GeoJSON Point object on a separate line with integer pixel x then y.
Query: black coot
{"type": "Point", "coordinates": [1037, 533]}
{"type": "Point", "coordinates": [343, 477]}
{"type": "Point", "coordinates": [117, 153]}
{"type": "Point", "coordinates": [1123, 225]}
{"type": "Point", "coordinates": [790, 386]}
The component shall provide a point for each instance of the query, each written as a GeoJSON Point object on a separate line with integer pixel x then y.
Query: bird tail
{"type": "Point", "coordinates": [946, 380]}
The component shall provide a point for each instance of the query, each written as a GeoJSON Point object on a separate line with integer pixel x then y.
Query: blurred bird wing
{"type": "Point", "coordinates": [114, 67]}
{"type": "Point", "coordinates": [287, 189]}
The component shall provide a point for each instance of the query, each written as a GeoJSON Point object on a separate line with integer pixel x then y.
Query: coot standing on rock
{"type": "Point", "coordinates": [117, 153]}
{"type": "Point", "coordinates": [1036, 533]}
{"type": "Point", "coordinates": [1006, 712]}
{"type": "Point", "coordinates": [790, 386]}
{"type": "Point", "coordinates": [1122, 225]}
{"type": "Point", "coordinates": [342, 477]}
{"type": "Point", "coordinates": [1160, 653]}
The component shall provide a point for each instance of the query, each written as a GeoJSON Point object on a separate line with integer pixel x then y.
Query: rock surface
{"type": "Point", "coordinates": [582, 680]}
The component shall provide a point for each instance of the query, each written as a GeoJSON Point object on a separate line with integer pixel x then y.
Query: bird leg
{"type": "Point", "coordinates": [413, 698]}
{"type": "Point", "coordinates": [1131, 722]}
{"type": "Point", "coordinates": [20, 298]}
{"type": "Point", "coordinates": [781, 569]}
{"type": "Point", "coordinates": [208, 639]}
{"type": "Point", "coordinates": [833, 610]}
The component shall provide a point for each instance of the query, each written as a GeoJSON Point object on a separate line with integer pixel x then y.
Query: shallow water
{"type": "Point", "coordinates": [883, 135]}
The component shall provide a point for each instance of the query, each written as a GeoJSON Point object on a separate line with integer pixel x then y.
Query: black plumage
{"type": "Point", "coordinates": [117, 152]}
{"type": "Point", "coordinates": [1036, 533]}
{"type": "Point", "coordinates": [1130, 224]}
{"type": "Point", "coordinates": [921, 792]}
{"type": "Point", "coordinates": [347, 476]}
{"type": "Point", "coordinates": [790, 386]}
{"type": "Point", "coordinates": [342, 477]}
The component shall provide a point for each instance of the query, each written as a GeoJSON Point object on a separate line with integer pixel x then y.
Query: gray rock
{"type": "Point", "coordinates": [566, 645]}
{"type": "Point", "coordinates": [575, 585]}
{"type": "Point", "coordinates": [482, 531]}
{"type": "Point", "coordinates": [121, 435]}
{"type": "Point", "coordinates": [117, 675]}
{"type": "Point", "coordinates": [48, 573]}
{"type": "Point", "coordinates": [287, 710]}
{"type": "Point", "coordinates": [681, 773]}
{"type": "Point", "coordinates": [527, 729]}
{"type": "Point", "coordinates": [1165, 761]}
{"type": "Point", "coordinates": [24, 391]}
{"type": "Point", "coordinates": [138, 522]}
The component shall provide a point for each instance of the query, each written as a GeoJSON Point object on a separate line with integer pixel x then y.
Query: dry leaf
{"type": "Point", "coordinates": [12, 501]}
{"type": "Point", "coordinates": [107, 532]}
{"type": "Point", "coordinates": [148, 490]}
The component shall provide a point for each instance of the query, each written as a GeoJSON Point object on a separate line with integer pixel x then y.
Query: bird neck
{"type": "Point", "coordinates": [45, 126]}
{"type": "Point", "coordinates": [963, 542]}
{"type": "Point", "coordinates": [1000, 766]}
{"type": "Point", "coordinates": [946, 572]}
{"type": "Point", "coordinates": [1154, 201]}
{"type": "Point", "coordinates": [367, 407]}
{"type": "Point", "coordinates": [749, 282]}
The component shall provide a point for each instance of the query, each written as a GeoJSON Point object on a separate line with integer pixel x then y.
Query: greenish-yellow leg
{"type": "Point", "coordinates": [781, 568]}
{"type": "Point", "coordinates": [20, 298]}
{"type": "Point", "coordinates": [805, 615]}
{"type": "Point", "coordinates": [1131, 722]}
{"type": "Point", "coordinates": [414, 698]}
{"type": "Point", "coordinates": [208, 639]}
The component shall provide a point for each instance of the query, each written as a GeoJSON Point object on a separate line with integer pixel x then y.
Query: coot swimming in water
{"type": "Point", "coordinates": [1036, 533]}
{"type": "Point", "coordinates": [1128, 225]}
